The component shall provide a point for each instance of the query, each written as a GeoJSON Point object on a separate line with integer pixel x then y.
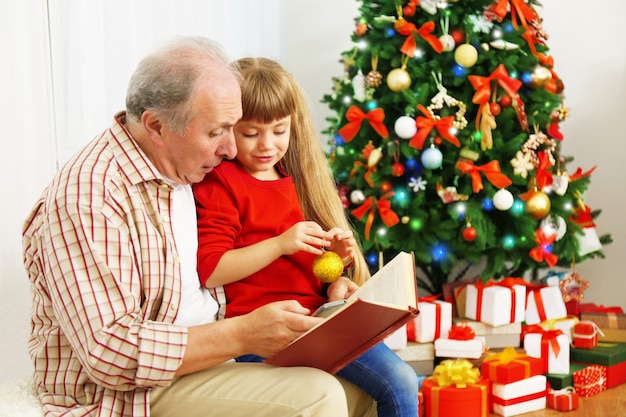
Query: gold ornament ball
{"type": "Point", "coordinates": [466, 55]}
{"type": "Point", "coordinates": [398, 79]}
{"type": "Point", "coordinates": [538, 205]}
{"type": "Point", "coordinates": [539, 77]}
{"type": "Point", "coordinates": [328, 266]}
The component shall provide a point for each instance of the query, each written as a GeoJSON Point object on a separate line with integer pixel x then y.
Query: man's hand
{"type": "Point", "coordinates": [272, 327]}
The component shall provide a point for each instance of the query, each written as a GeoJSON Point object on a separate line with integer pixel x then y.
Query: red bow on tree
{"type": "Point", "coordinates": [369, 206]}
{"type": "Point", "coordinates": [355, 118]}
{"type": "Point", "coordinates": [491, 171]}
{"type": "Point", "coordinates": [408, 29]}
{"type": "Point", "coordinates": [426, 124]}
{"type": "Point", "coordinates": [542, 252]}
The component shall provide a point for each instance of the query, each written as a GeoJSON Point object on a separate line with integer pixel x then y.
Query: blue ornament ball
{"type": "Point", "coordinates": [432, 158]}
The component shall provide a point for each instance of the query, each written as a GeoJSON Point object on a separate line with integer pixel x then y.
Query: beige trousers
{"type": "Point", "coordinates": [259, 390]}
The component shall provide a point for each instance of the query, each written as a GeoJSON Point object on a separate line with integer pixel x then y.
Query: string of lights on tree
{"type": "Point", "coordinates": [445, 141]}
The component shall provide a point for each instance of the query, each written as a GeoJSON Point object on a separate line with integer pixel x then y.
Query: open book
{"type": "Point", "coordinates": [380, 306]}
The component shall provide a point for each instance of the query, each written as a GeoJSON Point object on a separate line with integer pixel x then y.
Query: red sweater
{"type": "Point", "coordinates": [236, 210]}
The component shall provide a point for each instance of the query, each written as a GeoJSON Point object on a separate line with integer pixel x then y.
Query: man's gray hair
{"type": "Point", "coordinates": [164, 80]}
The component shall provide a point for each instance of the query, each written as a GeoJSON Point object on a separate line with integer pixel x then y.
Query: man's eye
{"type": "Point", "coordinates": [216, 133]}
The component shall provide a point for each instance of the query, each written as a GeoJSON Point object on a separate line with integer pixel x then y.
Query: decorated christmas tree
{"type": "Point", "coordinates": [445, 141]}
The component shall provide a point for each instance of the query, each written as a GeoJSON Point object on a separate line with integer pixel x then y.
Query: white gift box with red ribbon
{"type": "Point", "coordinates": [552, 346]}
{"type": "Point", "coordinates": [433, 322]}
{"type": "Point", "coordinates": [495, 304]}
{"type": "Point", "coordinates": [519, 397]}
{"type": "Point", "coordinates": [544, 303]}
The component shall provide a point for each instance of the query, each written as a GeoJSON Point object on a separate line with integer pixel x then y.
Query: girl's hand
{"type": "Point", "coordinates": [341, 289]}
{"type": "Point", "coordinates": [306, 236]}
{"type": "Point", "coordinates": [343, 244]}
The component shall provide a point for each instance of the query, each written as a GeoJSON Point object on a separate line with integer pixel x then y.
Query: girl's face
{"type": "Point", "coordinates": [261, 145]}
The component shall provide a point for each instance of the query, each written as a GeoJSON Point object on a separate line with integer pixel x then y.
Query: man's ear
{"type": "Point", "coordinates": [152, 123]}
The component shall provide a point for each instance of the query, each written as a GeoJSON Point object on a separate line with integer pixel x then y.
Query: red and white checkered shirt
{"type": "Point", "coordinates": [105, 277]}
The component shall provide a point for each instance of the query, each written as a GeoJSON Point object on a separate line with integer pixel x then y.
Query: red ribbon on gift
{"type": "Point", "coordinates": [461, 332]}
{"type": "Point", "coordinates": [491, 170]}
{"type": "Point", "coordinates": [542, 252]}
{"type": "Point", "coordinates": [521, 399]}
{"type": "Point", "coordinates": [355, 118]}
{"type": "Point", "coordinates": [582, 217]}
{"type": "Point", "coordinates": [541, 310]}
{"type": "Point", "coordinates": [408, 29]}
{"type": "Point", "coordinates": [509, 282]}
{"type": "Point", "coordinates": [370, 206]}
{"type": "Point", "coordinates": [548, 340]}
{"type": "Point", "coordinates": [426, 124]}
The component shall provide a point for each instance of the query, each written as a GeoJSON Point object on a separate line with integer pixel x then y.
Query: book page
{"type": "Point", "coordinates": [393, 284]}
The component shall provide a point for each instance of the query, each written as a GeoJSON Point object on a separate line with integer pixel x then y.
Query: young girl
{"type": "Point", "coordinates": [263, 217]}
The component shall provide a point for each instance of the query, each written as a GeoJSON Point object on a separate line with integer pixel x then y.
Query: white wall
{"type": "Point", "coordinates": [588, 57]}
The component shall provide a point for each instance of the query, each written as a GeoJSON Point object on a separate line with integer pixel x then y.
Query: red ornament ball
{"type": "Point", "coordinates": [505, 101]}
{"type": "Point", "coordinates": [458, 35]}
{"type": "Point", "coordinates": [469, 233]}
{"type": "Point", "coordinates": [408, 10]}
{"type": "Point", "coordinates": [494, 108]}
{"type": "Point", "coordinates": [397, 169]}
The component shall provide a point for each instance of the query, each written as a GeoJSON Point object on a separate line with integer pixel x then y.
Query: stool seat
{"type": "Point", "coordinates": [17, 398]}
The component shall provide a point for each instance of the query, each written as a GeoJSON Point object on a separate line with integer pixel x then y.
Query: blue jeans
{"type": "Point", "coordinates": [383, 375]}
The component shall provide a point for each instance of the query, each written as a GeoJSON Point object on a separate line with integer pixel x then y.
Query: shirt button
{"type": "Point", "coordinates": [174, 306]}
{"type": "Point", "coordinates": [166, 219]}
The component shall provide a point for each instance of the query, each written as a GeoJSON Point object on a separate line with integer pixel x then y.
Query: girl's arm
{"type": "Point", "coordinates": [237, 264]}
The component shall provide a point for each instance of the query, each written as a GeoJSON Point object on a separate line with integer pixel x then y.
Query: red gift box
{"type": "Point", "coordinates": [509, 366]}
{"type": "Point", "coordinates": [590, 380]}
{"type": "Point", "coordinates": [565, 399]}
{"type": "Point", "coordinates": [586, 334]}
{"type": "Point", "coordinates": [455, 389]}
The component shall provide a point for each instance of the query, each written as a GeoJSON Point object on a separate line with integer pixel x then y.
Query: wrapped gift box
{"type": "Point", "coordinates": [608, 354]}
{"type": "Point", "coordinates": [565, 399]}
{"type": "Point", "coordinates": [585, 334]}
{"type": "Point", "coordinates": [493, 304]}
{"type": "Point", "coordinates": [590, 380]}
{"type": "Point", "coordinates": [565, 324]}
{"type": "Point", "coordinates": [560, 381]}
{"type": "Point", "coordinates": [433, 322]}
{"type": "Point", "coordinates": [397, 340]}
{"type": "Point", "coordinates": [519, 397]}
{"type": "Point", "coordinates": [544, 303]}
{"type": "Point", "coordinates": [420, 356]}
{"type": "Point", "coordinates": [450, 294]}
{"type": "Point", "coordinates": [509, 366]}
{"type": "Point", "coordinates": [613, 325]}
{"type": "Point", "coordinates": [552, 347]}
{"type": "Point", "coordinates": [468, 397]}
{"type": "Point", "coordinates": [452, 348]}
{"type": "Point", "coordinates": [496, 337]}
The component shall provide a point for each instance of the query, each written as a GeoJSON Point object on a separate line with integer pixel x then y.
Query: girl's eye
{"type": "Point", "coordinates": [282, 132]}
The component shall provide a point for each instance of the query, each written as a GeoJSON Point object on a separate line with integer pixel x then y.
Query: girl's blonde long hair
{"type": "Point", "coordinates": [269, 92]}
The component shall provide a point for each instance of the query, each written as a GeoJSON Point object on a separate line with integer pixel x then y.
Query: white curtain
{"type": "Point", "coordinates": [96, 44]}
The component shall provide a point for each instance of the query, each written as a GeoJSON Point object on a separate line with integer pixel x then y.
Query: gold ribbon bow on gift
{"type": "Point", "coordinates": [457, 372]}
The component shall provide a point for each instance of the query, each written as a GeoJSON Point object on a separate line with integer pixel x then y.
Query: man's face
{"type": "Point", "coordinates": [208, 137]}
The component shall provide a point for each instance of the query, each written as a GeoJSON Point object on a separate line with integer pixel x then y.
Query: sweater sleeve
{"type": "Point", "coordinates": [218, 222]}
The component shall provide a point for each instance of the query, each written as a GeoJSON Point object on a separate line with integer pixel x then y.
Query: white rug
{"type": "Point", "coordinates": [17, 399]}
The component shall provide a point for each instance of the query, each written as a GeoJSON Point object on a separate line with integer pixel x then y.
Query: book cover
{"type": "Point", "coordinates": [384, 303]}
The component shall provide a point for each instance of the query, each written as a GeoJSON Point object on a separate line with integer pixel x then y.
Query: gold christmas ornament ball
{"type": "Point", "coordinates": [328, 266]}
{"type": "Point", "coordinates": [539, 77]}
{"type": "Point", "coordinates": [398, 79]}
{"type": "Point", "coordinates": [466, 55]}
{"type": "Point", "coordinates": [538, 205]}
